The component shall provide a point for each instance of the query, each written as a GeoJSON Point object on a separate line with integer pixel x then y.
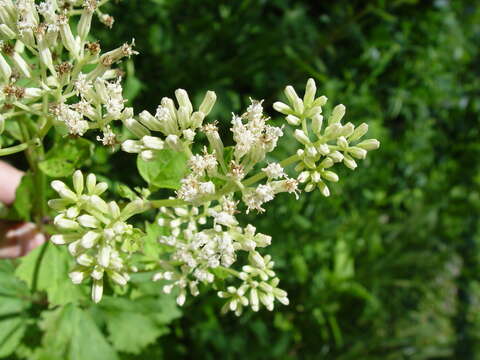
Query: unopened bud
{"type": "Point", "coordinates": [310, 91]}
{"type": "Point", "coordinates": [370, 144]}
{"type": "Point", "coordinates": [282, 108]}
{"type": "Point", "coordinates": [208, 102]}
{"type": "Point", "coordinates": [359, 132]}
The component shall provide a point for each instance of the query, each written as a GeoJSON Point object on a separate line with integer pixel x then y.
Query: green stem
{"type": "Point", "coordinates": [14, 149]}
{"type": "Point", "coordinates": [38, 263]}
{"type": "Point", "coordinates": [229, 187]}
{"type": "Point", "coordinates": [255, 178]}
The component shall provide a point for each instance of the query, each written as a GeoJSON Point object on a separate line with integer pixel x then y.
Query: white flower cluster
{"type": "Point", "coordinates": [253, 138]}
{"type": "Point", "coordinates": [51, 72]}
{"type": "Point", "coordinates": [206, 239]}
{"type": "Point", "coordinates": [323, 146]}
{"type": "Point", "coordinates": [95, 231]}
{"type": "Point", "coordinates": [177, 124]}
{"type": "Point", "coordinates": [54, 85]}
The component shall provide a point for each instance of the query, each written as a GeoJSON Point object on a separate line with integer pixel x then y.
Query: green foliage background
{"type": "Point", "coordinates": [387, 267]}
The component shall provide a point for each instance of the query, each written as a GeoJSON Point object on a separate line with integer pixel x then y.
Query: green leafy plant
{"type": "Point", "coordinates": [181, 228]}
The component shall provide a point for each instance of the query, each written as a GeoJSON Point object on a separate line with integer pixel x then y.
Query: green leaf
{"type": "Point", "coordinates": [131, 332]}
{"type": "Point", "coordinates": [52, 274]}
{"type": "Point", "coordinates": [151, 246]}
{"type": "Point", "coordinates": [23, 199]}
{"type": "Point", "coordinates": [65, 156]}
{"type": "Point", "coordinates": [72, 334]}
{"type": "Point", "coordinates": [165, 171]}
{"type": "Point", "coordinates": [13, 304]}
{"type": "Point", "coordinates": [134, 324]}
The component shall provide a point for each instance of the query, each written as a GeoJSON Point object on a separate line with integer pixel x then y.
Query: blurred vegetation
{"type": "Point", "coordinates": [387, 267]}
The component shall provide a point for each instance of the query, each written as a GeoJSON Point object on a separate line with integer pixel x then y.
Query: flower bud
{"type": "Point", "coordinates": [181, 298]}
{"type": "Point", "coordinates": [147, 155]}
{"type": "Point", "coordinates": [63, 190]}
{"type": "Point", "coordinates": [6, 33]}
{"type": "Point", "coordinates": [336, 156]}
{"type": "Point", "coordinates": [342, 143]}
{"type": "Point", "coordinates": [67, 38]}
{"type": "Point", "coordinates": [301, 137]}
{"type": "Point", "coordinates": [332, 131]}
{"type": "Point", "coordinates": [347, 129]}
{"type": "Point", "coordinates": [254, 300]}
{"type": "Point", "coordinates": [136, 128]}
{"type": "Point", "coordinates": [114, 209]}
{"type": "Point", "coordinates": [100, 188]}
{"type": "Point", "coordinates": [5, 69]}
{"type": "Point", "coordinates": [310, 91]}
{"type": "Point", "coordinates": [337, 114]}
{"type": "Point", "coordinates": [291, 94]}
{"type": "Point", "coordinates": [132, 146]}
{"type": "Point", "coordinates": [83, 27]}
{"type": "Point", "coordinates": [357, 152]}
{"type": "Point", "coordinates": [77, 277]}
{"type": "Point", "coordinates": [311, 151]}
{"type": "Point", "coordinates": [32, 93]}
{"type": "Point", "coordinates": [303, 177]}
{"type": "Point", "coordinates": [21, 65]}
{"type": "Point", "coordinates": [323, 149]}
{"type": "Point", "coordinates": [349, 162]}
{"type": "Point", "coordinates": [104, 256]}
{"type": "Point", "coordinates": [78, 182]}
{"type": "Point", "coordinates": [97, 273]}
{"type": "Point", "coordinates": [326, 163]}
{"type": "Point", "coordinates": [2, 124]}
{"type": "Point", "coordinates": [183, 100]}
{"type": "Point", "coordinates": [97, 290]}
{"type": "Point", "coordinates": [91, 182]}
{"type": "Point", "coordinates": [99, 204]}
{"type": "Point", "coordinates": [359, 132]}
{"type": "Point", "coordinates": [256, 259]}
{"type": "Point", "coordinates": [316, 177]}
{"type": "Point", "coordinates": [183, 116]}
{"type": "Point", "coordinates": [370, 144]}
{"type": "Point", "coordinates": [282, 108]}
{"type": "Point", "coordinates": [324, 189]}
{"type": "Point", "coordinates": [267, 300]}
{"type": "Point", "coordinates": [196, 119]}
{"type": "Point", "coordinates": [150, 121]}
{"type": "Point", "coordinates": [330, 176]}
{"type": "Point", "coordinates": [58, 239]}
{"type": "Point", "coordinates": [119, 279]}
{"type": "Point", "coordinates": [316, 110]}
{"type": "Point", "coordinates": [208, 102]}
{"type": "Point", "coordinates": [317, 122]}
{"type": "Point", "coordinates": [88, 221]}
{"type": "Point", "coordinates": [320, 101]}
{"type": "Point", "coordinates": [89, 239]}
{"type": "Point", "coordinates": [293, 120]}
{"type": "Point", "coordinates": [85, 260]}
{"type": "Point", "coordinates": [310, 187]}
{"type": "Point", "coordinates": [263, 240]}
{"type": "Point", "coordinates": [134, 207]}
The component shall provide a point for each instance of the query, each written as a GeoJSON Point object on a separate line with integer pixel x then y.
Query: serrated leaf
{"type": "Point", "coordinates": [134, 324]}
{"type": "Point", "coordinates": [165, 171]}
{"type": "Point", "coordinates": [65, 156]}
{"type": "Point", "coordinates": [71, 333]}
{"type": "Point", "coordinates": [22, 206]}
{"type": "Point", "coordinates": [151, 246]}
{"type": "Point", "coordinates": [52, 275]}
{"type": "Point", "coordinates": [131, 332]}
{"type": "Point", "coordinates": [13, 303]}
